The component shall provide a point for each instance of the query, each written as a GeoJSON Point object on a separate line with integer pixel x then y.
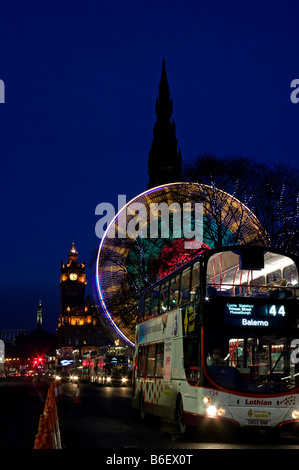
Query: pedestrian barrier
{"type": "Point", "coordinates": [48, 435]}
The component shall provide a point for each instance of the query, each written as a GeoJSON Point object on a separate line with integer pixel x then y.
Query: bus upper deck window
{"type": "Point", "coordinates": [147, 306]}
{"type": "Point", "coordinates": [174, 292]}
{"type": "Point", "coordinates": [155, 302]}
{"type": "Point", "coordinates": [164, 297]}
{"type": "Point", "coordinates": [195, 282]}
{"type": "Point", "coordinates": [290, 274]}
{"type": "Point", "coordinates": [185, 285]}
{"type": "Point", "coordinates": [274, 276]}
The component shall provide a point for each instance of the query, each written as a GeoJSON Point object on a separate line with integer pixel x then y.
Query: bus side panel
{"type": "Point", "coordinates": [150, 388]}
{"type": "Point", "coordinates": [161, 395]}
{"type": "Point", "coordinates": [169, 392]}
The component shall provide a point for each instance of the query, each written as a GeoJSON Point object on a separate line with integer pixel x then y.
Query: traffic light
{"type": "Point", "coordinates": [38, 361]}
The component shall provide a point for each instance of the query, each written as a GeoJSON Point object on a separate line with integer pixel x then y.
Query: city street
{"type": "Point", "coordinates": [105, 420]}
{"type": "Point", "coordinates": [150, 241]}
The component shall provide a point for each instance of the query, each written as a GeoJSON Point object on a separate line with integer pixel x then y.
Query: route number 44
{"type": "Point", "coordinates": [277, 310]}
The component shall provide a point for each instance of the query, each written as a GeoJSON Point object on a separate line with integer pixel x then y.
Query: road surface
{"type": "Point", "coordinates": [105, 420]}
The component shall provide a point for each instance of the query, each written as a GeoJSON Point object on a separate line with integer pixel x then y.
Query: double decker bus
{"type": "Point", "coordinates": [217, 339]}
{"type": "Point", "coordinates": [89, 361]}
{"type": "Point", "coordinates": [108, 365]}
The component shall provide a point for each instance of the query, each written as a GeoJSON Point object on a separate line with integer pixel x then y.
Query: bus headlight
{"type": "Point", "coordinates": [220, 412]}
{"type": "Point", "coordinates": [211, 410]}
{"type": "Point", "coordinates": [295, 414]}
{"type": "Point", "coordinates": [206, 400]}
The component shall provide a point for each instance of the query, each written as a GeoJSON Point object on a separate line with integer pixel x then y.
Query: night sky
{"type": "Point", "coordinates": [81, 79]}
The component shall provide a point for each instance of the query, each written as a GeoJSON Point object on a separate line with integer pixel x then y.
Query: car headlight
{"type": "Point", "coordinates": [108, 379]}
{"type": "Point", "coordinates": [57, 377]}
{"type": "Point", "coordinates": [124, 379]}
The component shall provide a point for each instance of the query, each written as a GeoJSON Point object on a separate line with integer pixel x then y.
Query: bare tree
{"type": "Point", "coordinates": [275, 201]}
{"type": "Point", "coordinates": [271, 191]}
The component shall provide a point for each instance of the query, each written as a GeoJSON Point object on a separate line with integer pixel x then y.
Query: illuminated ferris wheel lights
{"type": "Point", "coordinates": [103, 302]}
{"type": "Point", "coordinates": [120, 256]}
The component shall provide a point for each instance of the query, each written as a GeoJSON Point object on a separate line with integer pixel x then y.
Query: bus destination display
{"type": "Point", "coordinates": [253, 315]}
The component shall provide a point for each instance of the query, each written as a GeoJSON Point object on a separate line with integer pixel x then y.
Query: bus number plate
{"type": "Point", "coordinates": [257, 422]}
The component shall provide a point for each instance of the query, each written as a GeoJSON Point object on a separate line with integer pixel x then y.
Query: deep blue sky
{"type": "Point", "coordinates": [81, 80]}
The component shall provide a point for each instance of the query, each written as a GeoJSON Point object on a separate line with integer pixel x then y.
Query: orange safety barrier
{"type": "Point", "coordinates": [48, 435]}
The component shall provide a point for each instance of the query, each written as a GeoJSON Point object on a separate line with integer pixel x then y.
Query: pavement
{"type": "Point", "coordinates": [22, 405]}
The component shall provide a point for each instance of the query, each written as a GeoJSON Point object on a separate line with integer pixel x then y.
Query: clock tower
{"type": "Point", "coordinates": [72, 284]}
{"type": "Point", "coordinates": [79, 326]}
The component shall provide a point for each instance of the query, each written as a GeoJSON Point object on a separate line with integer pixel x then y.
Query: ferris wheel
{"type": "Point", "coordinates": [137, 250]}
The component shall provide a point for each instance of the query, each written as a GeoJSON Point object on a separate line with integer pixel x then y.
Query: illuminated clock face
{"type": "Point", "coordinates": [73, 276]}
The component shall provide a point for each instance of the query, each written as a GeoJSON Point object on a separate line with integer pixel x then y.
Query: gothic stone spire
{"type": "Point", "coordinates": [164, 161]}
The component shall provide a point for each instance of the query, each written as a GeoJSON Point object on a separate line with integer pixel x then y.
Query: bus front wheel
{"type": "Point", "coordinates": [180, 416]}
{"type": "Point", "coordinates": [183, 427]}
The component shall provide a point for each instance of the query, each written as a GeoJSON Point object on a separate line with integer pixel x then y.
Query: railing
{"type": "Point", "coordinates": [48, 436]}
{"type": "Point", "coordinates": [249, 290]}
